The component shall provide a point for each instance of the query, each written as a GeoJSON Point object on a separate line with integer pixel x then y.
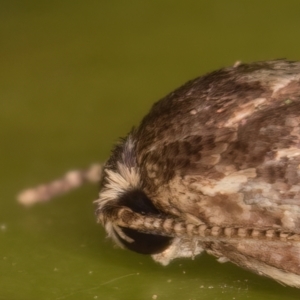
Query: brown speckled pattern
{"type": "Point", "coordinates": [223, 150]}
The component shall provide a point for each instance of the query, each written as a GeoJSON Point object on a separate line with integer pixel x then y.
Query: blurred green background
{"type": "Point", "coordinates": [75, 76]}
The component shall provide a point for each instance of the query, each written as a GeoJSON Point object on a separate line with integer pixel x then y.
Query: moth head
{"type": "Point", "coordinates": [121, 189]}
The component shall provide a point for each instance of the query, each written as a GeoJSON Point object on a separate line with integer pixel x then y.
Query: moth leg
{"type": "Point", "coordinates": [121, 234]}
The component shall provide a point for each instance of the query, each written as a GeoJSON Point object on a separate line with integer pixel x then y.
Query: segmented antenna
{"type": "Point", "coordinates": [172, 227]}
{"type": "Point", "coordinates": [70, 181]}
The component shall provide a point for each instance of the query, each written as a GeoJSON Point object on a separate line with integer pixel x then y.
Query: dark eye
{"type": "Point", "coordinates": [138, 201]}
{"type": "Point", "coordinates": [143, 243]}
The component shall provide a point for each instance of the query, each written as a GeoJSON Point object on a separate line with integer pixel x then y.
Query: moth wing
{"type": "Point", "coordinates": [274, 259]}
{"type": "Point", "coordinates": [224, 150]}
{"type": "Point", "coordinates": [230, 158]}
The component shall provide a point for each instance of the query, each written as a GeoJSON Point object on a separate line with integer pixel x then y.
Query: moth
{"type": "Point", "coordinates": [214, 166]}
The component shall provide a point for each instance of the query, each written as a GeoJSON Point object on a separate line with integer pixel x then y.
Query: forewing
{"type": "Point", "coordinates": [280, 261]}
{"type": "Point", "coordinates": [225, 148]}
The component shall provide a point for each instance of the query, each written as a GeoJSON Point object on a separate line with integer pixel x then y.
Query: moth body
{"type": "Point", "coordinates": [214, 166]}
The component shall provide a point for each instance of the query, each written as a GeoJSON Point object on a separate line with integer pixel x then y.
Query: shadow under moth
{"type": "Point", "coordinates": [214, 166]}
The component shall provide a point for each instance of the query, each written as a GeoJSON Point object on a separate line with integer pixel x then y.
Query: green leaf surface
{"type": "Point", "coordinates": [75, 76]}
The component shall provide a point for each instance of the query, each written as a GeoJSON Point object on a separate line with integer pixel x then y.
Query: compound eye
{"type": "Point", "coordinates": [138, 202]}
{"type": "Point", "coordinates": [143, 243]}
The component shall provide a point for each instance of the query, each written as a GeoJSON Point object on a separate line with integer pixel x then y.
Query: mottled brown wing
{"type": "Point", "coordinates": [214, 166]}
{"type": "Point", "coordinates": [274, 259]}
{"type": "Point", "coordinates": [224, 149]}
